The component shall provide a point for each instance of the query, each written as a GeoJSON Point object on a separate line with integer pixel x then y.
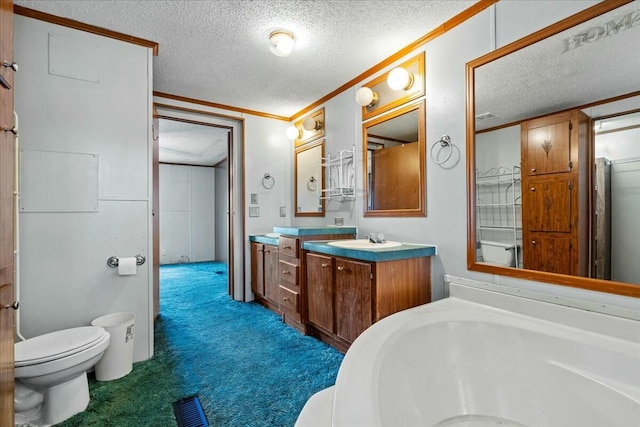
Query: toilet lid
{"type": "Point", "coordinates": [55, 345]}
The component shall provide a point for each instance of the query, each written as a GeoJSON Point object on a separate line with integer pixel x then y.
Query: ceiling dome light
{"type": "Point", "coordinates": [293, 133]}
{"type": "Point", "coordinates": [282, 42]}
{"type": "Point", "coordinates": [365, 97]}
{"type": "Point", "coordinates": [400, 79]}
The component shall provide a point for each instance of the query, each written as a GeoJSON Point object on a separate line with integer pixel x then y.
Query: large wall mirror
{"type": "Point", "coordinates": [394, 163]}
{"type": "Point", "coordinates": [553, 153]}
{"type": "Point", "coordinates": [309, 179]}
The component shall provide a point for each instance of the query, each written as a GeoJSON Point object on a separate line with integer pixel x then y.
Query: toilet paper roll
{"type": "Point", "coordinates": [127, 266]}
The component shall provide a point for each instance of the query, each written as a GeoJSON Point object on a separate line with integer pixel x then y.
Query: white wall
{"type": "Point", "coordinates": [64, 279]}
{"type": "Point", "coordinates": [498, 148]}
{"type": "Point", "coordinates": [446, 221]}
{"type": "Point", "coordinates": [221, 217]}
{"type": "Point", "coordinates": [187, 213]}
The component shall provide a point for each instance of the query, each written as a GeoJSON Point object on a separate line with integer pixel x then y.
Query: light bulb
{"type": "Point", "coordinates": [365, 97]}
{"type": "Point", "coordinates": [311, 124]}
{"type": "Point", "coordinates": [293, 133]}
{"type": "Point", "coordinates": [399, 79]}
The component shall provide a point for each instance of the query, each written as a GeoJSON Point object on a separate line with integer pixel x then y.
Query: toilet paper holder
{"type": "Point", "coordinates": [113, 261]}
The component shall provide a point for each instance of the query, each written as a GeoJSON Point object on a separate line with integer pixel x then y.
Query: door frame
{"type": "Point", "coordinates": [235, 185]}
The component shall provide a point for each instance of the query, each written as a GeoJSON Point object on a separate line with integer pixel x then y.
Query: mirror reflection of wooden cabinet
{"type": "Point", "coordinates": [531, 78]}
{"type": "Point", "coordinates": [394, 163]}
{"type": "Point", "coordinates": [555, 196]}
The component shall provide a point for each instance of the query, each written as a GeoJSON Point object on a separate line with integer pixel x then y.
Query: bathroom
{"type": "Point", "coordinates": [121, 224]}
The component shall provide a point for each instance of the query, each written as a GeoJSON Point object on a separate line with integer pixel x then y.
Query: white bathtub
{"type": "Point", "coordinates": [481, 358]}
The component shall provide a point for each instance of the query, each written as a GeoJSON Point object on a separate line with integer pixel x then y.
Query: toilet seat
{"type": "Point", "coordinates": [56, 345]}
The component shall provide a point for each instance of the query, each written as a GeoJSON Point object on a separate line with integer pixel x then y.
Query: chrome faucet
{"type": "Point", "coordinates": [375, 237]}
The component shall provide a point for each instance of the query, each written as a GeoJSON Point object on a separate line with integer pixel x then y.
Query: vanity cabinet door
{"type": "Point", "coordinates": [257, 269]}
{"type": "Point", "coordinates": [271, 288]}
{"type": "Point", "coordinates": [320, 291]}
{"type": "Point", "coordinates": [353, 312]}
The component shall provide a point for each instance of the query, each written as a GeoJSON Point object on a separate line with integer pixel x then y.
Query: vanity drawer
{"type": "Point", "coordinates": [289, 272]}
{"type": "Point", "coordinates": [289, 246]}
{"type": "Point", "coordinates": [288, 299]}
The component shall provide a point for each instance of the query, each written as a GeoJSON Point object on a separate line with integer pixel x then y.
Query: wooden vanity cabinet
{"type": "Point", "coordinates": [264, 275]}
{"type": "Point", "coordinates": [292, 299]}
{"type": "Point", "coordinates": [346, 296]}
{"type": "Point", "coordinates": [555, 193]}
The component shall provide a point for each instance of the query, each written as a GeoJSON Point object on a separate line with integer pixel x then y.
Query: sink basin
{"type": "Point", "coordinates": [363, 244]}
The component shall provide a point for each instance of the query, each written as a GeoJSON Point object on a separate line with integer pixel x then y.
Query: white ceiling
{"type": "Point", "coordinates": [547, 77]}
{"type": "Point", "coordinates": [218, 50]}
{"type": "Point", "coordinates": [191, 144]}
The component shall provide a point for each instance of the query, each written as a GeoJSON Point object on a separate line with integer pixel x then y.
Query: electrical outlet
{"type": "Point", "coordinates": [254, 211]}
{"type": "Point", "coordinates": [283, 211]}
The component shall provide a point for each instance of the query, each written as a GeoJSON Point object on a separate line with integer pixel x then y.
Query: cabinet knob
{"type": "Point", "coordinates": [286, 272]}
{"type": "Point", "coordinates": [533, 242]}
{"type": "Point", "coordinates": [340, 268]}
{"type": "Point", "coordinates": [325, 265]}
{"type": "Point", "coordinates": [533, 169]}
{"type": "Point", "coordinates": [533, 188]}
{"type": "Point", "coordinates": [13, 305]}
{"type": "Point", "coordinates": [286, 299]}
{"type": "Point", "coordinates": [13, 65]}
{"type": "Point", "coordinates": [267, 251]}
{"type": "Point", "coordinates": [286, 247]}
{"type": "Point", "coordinates": [260, 250]}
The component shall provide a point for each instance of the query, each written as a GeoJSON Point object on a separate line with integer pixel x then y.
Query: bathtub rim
{"type": "Point", "coordinates": [363, 354]}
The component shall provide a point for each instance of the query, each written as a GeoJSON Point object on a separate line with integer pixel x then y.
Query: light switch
{"type": "Point", "coordinates": [254, 198]}
{"type": "Point", "coordinates": [283, 211]}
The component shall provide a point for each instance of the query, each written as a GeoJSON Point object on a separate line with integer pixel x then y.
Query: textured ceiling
{"type": "Point", "coordinates": [218, 50]}
{"type": "Point", "coordinates": [587, 63]}
{"type": "Point", "coordinates": [192, 144]}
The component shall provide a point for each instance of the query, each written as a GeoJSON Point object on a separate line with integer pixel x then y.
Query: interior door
{"type": "Point", "coordinates": [7, 215]}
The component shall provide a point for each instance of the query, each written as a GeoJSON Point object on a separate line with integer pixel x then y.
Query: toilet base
{"type": "Point", "coordinates": [60, 403]}
{"type": "Point", "coordinates": [65, 400]}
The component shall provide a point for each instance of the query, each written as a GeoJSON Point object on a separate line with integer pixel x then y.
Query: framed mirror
{"type": "Point", "coordinates": [545, 94]}
{"type": "Point", "coordinates": [309, 179]}
{"type": "Point", "coordinates": [394, 165]}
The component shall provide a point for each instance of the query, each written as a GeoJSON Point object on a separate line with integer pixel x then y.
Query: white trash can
{"type": "Point", "coordinates": [117, 360]}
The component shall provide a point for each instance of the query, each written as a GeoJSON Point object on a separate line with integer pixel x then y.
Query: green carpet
{"type": "Point", "coordinates": [248, 368]}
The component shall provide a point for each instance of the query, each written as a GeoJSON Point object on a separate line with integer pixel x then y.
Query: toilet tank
{"type": "Point", "coordinates": [498, 253]}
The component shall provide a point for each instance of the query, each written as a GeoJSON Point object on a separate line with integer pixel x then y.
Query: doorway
{"type": "Point", "coordinates": [225, 156]}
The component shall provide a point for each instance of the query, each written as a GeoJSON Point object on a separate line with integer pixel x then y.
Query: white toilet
{"type": "Point", "coordinates": [498, 253]}
{"type": "Point", "coordinates": [51, 374]}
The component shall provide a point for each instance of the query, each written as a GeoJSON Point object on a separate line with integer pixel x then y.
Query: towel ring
{"type": "Point", "coordinates": [268, 181]}
{"type": "Point", "coordinates": [312, 184]}
{"type": "Point", "coordinates": [444, 142]}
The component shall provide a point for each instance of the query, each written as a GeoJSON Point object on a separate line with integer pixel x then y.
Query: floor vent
{"type": "Point", "coordinates": [189, 412]}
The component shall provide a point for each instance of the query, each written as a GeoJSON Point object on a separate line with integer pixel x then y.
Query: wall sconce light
{"type": "Point", "coordinates": [365, 97]}
{"type": "Point", "coordinates": [293, 133]}
{"type": "Point", "coordinates": [311, 124]}
{"type": "Point", "coordinates": [282, 42]}
{"type": "Point", "coordinates": [400, 79]}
